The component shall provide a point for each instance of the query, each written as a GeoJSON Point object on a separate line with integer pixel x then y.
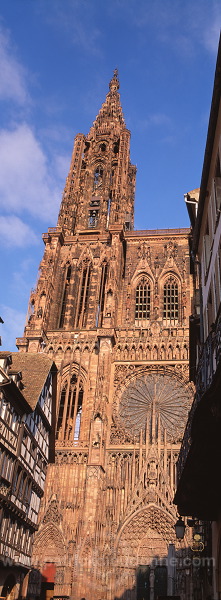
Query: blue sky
{"type": "Point", "coordinates": [56, 60]}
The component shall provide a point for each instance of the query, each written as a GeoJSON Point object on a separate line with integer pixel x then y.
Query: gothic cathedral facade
{"type": "Point", "coordinates": [112, 307]}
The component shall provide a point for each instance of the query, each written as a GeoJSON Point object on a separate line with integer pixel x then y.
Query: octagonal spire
{"type": "Point", "coordinates": [114, 82]}
{"type": "Point", "coordinates": [110, 114]}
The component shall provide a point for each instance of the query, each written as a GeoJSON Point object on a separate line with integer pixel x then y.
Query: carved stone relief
{"type": "Point", "coordinates": [52, 514]}
{"type": "Point", "coordinates": [155, 396]}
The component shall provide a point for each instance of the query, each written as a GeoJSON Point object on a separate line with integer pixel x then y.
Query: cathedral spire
{"type": "Point", "coordinates": [99, 192]}
{"type": "Point", "coordinates": [110, 115]}
{"type": "Point", "coordinates": [114, 83]}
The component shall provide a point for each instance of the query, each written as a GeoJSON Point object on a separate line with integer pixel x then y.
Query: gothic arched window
{"type": "Point", "coordinates": [142, 308]}
{"type": "Point", "coordinates": [100, 308]}
{"type": "Point", "coordinates": [93, 218]}
{"type": "Point", "coordinates": [70, 409]}
{"type": "Point", "coordinates": [61, 410]}
{"type": "Point", "coordinates": [83, 296]}
{"type": "Point", "coordinates": [65, 297]}
{"type": "Point", "coordinates": [98, 175]}
{"type": "Point", "coordinates": [170, 300]}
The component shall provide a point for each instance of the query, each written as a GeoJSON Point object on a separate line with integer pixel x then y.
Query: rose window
{"type": "Point", "coordinates": [155, 403]}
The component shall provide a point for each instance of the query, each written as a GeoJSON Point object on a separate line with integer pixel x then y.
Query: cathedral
{"type": "Point", "coordinates": [111, 307]}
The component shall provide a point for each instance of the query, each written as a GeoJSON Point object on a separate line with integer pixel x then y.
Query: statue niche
{"type": "Point", "coordinates": [96, 440]}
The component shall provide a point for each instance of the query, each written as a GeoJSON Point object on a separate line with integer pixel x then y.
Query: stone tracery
{"type": "Point", "coordinates": [155, 397]}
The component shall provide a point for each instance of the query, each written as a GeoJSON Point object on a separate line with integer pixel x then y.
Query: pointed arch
{"type": "Point", "coordinates": [155, 352]}
{"type": "Point", "coordinates": [185, 352]}
{"type": "Point", "coordinates": [133, 352]}
{"type": "Point", "coordinates": [118, 352]}
{"type": "Point", "coordinates": [135, 526]}
{"type": "Point", "coordinates": [143, 289]}
{"type": "Point", "coordinates": [171, 298]}
{"type": "Point", "coordinates": [163, 352]}
{"type": "Point", "coordinates": [85, 257]}
{"type": "Point", "coordinates": [70, 409]}
{"type": "Point", "coordinates": [177, 351]}
{"type": "Point", "coordinates": [148, 352]}
{"type": "Point", "coordinates": [65, 295]}
{"type": "Point", "coordinates": [83, 294]}
{"type": "Point", "coordinates": [49, 544]}
{"type": "Point", "coordinates": [59, 353]}
{"type": "Point", "coordinates": [101, 297]}
{"type": "Point", "coordinates": [140, 350]}
{"type": "Point", "coordinates": [67, 354]}
{"type": "Point", "coordinates": [170, 352]}
{"type": "Point", "coordinates": [98, 177]}
{"type": "Point", "coordinates": [85, 552]}
{"type": "Point", "coordinates": [126, 350]}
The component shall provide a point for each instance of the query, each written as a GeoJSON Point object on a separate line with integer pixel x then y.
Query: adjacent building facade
{"type": "Point", "coordinates": [199, 487]}
{"type": "Point", "coordinates": [111, 307]}
{"type": "Point", "coordinates": [27, 398]}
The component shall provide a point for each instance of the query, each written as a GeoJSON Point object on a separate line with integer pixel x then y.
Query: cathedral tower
{"type": "Point", "coordinates": [111, 306]}
{"type": "Point", "coordinates": [99, 193]}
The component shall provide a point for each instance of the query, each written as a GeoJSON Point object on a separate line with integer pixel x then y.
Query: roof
{"type": "Point", "coordinates": [139, 233]}
{"type": "Point", "coordinates": [4, 353]}
{"type": "Point", "coordinates": [35, 369]}
{"type": "Point", "coordinates": [192, 199]}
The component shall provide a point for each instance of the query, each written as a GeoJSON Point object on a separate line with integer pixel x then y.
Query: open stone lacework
{"type": "Point", "coordinates": [155, 403]}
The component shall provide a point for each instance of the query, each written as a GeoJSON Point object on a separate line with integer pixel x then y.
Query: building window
{"type": "Point", "coordinates": [65, 297]}
{"type": "Point", "coordinates": [83, 297]}
{"type": "Point", "coordinates": [170, 300]}
{"type": "Point", "coordinates": [98, 176]}
{"type": "Point", "coordinates": [95, 202]}
{"type": "Point", "coordinates": [207, 246]}
{"type": "Point", "coordinates": [142, 309]}
{"type": "Point", "coordinates": [100, 308]}
{"type": "Point", "coordinates": [217, 184]}
{"type": "Point", "coordinates": [93, 218]}
{"type": "Point", "coordinates": [70, 410]}
{"type": "Point", "coordinates": [61, 410]}
{"type": "Point", "coordinates": [17, 477]}
{"type": "Point", "coordinates": [210, 310]}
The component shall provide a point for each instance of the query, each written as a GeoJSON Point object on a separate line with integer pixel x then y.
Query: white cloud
{"type": "Point", "coordinates": [203, 21]}
{"type": "Point", "coordinates": [13, 75]}
{"type": "Point", "coordinates": [159, 119]}
{"type": "Point", "coordinates": [78, 20]}
{"type": "Point", "coordinates": [155, 120]}
{"type": "Point", "coordinates": [25, 182]}
{"type": "Point", "coordinates": [13, 326]}
{"type": "Point", "coordinates": [211, 35]}
{"type": "Point", "coordinates": [23, 276]}
{"type": "Point", "coordinates": [62, 166]}
{"type": "Point", "coordinates": [184, 26]}
{"type": "Point", "coordinates": [13, 232]}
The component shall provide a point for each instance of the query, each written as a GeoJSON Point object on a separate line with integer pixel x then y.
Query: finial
{"type": "Point", "coordinates": [114, 83]}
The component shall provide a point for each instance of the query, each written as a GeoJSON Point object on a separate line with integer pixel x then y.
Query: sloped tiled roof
{"type": "Point", "coordinates": [34, 369]}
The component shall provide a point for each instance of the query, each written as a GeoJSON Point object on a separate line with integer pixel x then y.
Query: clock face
{"type": "Point", "coordinates": [156, 402]}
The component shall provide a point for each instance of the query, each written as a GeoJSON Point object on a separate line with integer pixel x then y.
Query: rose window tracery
{"type": "Point", "coordinates": [155, 403]}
